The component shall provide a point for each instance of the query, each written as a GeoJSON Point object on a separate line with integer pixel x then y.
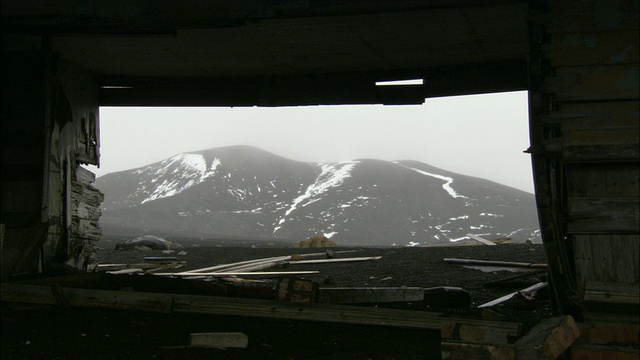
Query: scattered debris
{"type": "Point", "coordinates": [493, 265]}
{"type": "Point", "coordinates": [516, 277]}
{"type": "Point", "coordinates": [530, 291]}
{"type": "Point", "coordinates": [147, 267]}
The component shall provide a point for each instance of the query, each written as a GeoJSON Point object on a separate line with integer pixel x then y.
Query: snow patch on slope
{"type": "Point", "coordinates": [446, 186]}
{"type": "Point", "coordinates": [331, 175]}
{"type": "Point", "coordinates": [188, 170]}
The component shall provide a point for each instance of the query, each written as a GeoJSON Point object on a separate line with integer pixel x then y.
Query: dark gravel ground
{"type": "Point", "coordinates": [42, 332]}
{"type": "Point", "coordinates": [400, 266]}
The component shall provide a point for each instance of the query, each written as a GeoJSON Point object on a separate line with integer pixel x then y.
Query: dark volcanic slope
{"type": "Point", "coordinates": [243, 192]}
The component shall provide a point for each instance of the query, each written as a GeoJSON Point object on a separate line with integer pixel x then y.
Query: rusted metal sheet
{"type": "Point", "coordinates": [605, 48]}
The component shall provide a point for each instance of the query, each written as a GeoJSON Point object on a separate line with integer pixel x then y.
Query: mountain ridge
{"type": "Point", "coordinates": [246, 192]}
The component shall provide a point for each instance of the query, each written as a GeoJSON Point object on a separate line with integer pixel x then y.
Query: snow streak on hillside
{"type": "Point", "coordinates": [177, 174]}
{"type": "Point", "coordinates": [332, 175]}
{"type": "Point", "coordinates": [446, 186]}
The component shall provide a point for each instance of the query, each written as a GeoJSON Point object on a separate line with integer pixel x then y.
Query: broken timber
{"type": "Point", "coordinates": [479, 239]}
{"type": "Point", "coordinates": [322, 261]}
{"type": "Point", "coordinates": [494, 263]}
{"type": "Point", "coordinates": [200, 304]}
{"type": "Point", "coordinates": [242, 273]}
{"type": "Point", "coordinates": [502, 299]}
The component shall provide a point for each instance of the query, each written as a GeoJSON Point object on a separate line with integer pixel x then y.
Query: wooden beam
{"type": "Point", "coordinates": [601, 153]}
{"type": "Point", "coordinates": [549, 339]}
{"type": "Point", "coordinates": [360, 295]}
{"type": "Point", "coordinates": [324, 261]}
{"type": "Point", "coordinates": [199, 304]}
{"type": "Point", "coordinates": [238, 273]}
{"type": "Point", "coordinates": [336, 89]}
{"type": "Point", "coordinates": [494, 263]}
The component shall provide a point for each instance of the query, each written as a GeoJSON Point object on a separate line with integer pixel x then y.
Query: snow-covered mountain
{"type": "Point", "coordinates": [245, 192]}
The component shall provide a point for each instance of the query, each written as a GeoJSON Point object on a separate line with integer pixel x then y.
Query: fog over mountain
{"type": "Point", "coordinates": [246, 193]}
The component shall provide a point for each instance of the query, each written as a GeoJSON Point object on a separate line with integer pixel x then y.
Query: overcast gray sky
{"type": "Point", "coordinates": [479, 135]}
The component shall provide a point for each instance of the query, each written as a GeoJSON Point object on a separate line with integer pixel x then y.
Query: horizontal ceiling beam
{"type": "Point", "coordinates": [324, 89]}
{"type": "Point", "coordinates": [165, 17]}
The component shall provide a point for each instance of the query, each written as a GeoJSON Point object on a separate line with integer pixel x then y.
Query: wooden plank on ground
{"type": "Point", "coordinates": [494, 263]}
{"type": "Point", "coordinates": [325, 261]}
{"type": "Point", "coordinates": [502, 299]}
{"type": "Point", "coordinates": [239, 273]}
{"type": "Point", "coordinates": [481, 240]}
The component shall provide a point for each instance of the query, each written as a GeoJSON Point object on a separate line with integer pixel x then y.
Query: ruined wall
{"type": "Point", "coordinates": [50, 126]}
{"type": "Point", "coordinates": [585, 142]}
{"type": "Point", "coordinates": [22, 153]}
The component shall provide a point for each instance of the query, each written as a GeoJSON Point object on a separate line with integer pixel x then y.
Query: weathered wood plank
{"type": "Point", "coordinates": [122, 300]}
{"type": "Point", "coordinates": [582, 257]}
{"type": "Point", "coordinates": [588, 83]}
{"type": "Point", "coordinates": [612, 292]}
{"type": "Point", "coordinates": [601, 153]}
{"type": "Point", "coordinates": [593, 15]}
{"type": "Point", "coordinates": [598, 115]}
{"type": "Point", "coordinates": [504, 298]}
{"type": "Point", "coordinates": [370, 295]}
{"type": "Point", "coordinates": [165, 303]}
{"type": "Point", "coordinates": [603, 179]}
{"type": "Point", "coordinates": [494, 263]}
{"type": "Point", "coordinates": [549, 339]}
{"type": "Point", "coordinates": [600, 48]}
{"type": "Point", "coordinates": [603, 215]}
{"type": "Point", "coordinates": [322, 261]}
{"type": "Point", "coordinates": [625, 258]}
{"type": "Point", "coordinates": [621, 137]}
